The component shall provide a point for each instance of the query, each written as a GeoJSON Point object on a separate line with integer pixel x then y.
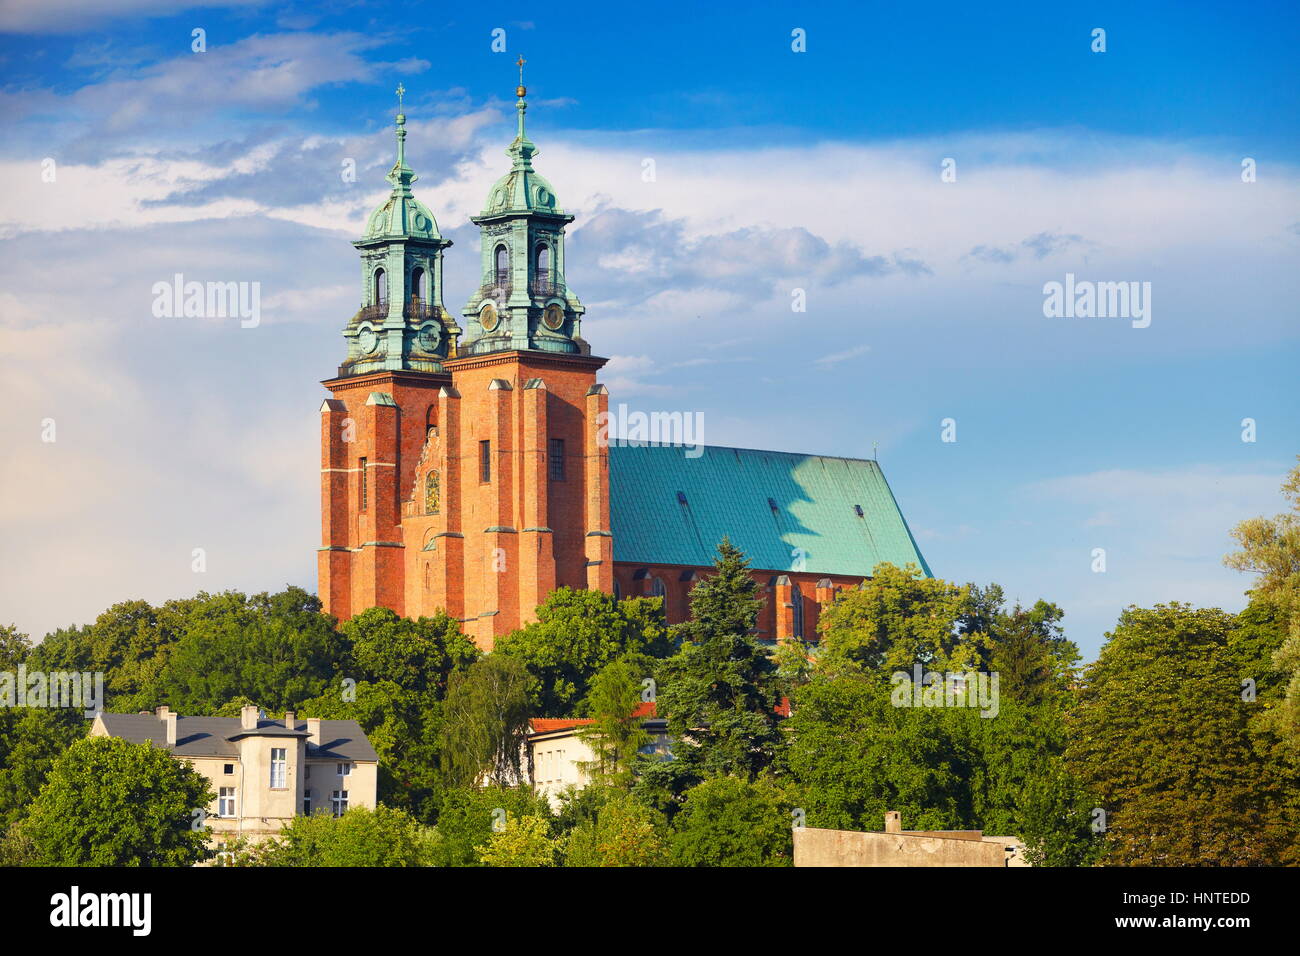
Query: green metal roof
{"type": "Point", "coordinates": [770, 503]}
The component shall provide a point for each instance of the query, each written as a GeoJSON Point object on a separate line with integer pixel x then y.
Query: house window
{"type": "Point", "coordinates": [797, 600]}
{"type": "Point", "coordinates": [278, 768]}
{"type": "Point", "coordinates": [345, 769]}
{"type": "Point", "coordinates": [556, 458]}
{"type": "Point", "coordinates": [229, 768]}
{"type": "Point", "coordinates": [365, 484]}
{"type": "Point", "coordinates": [226, 802]}
{"type": "Point", "coordinates": [381, 287]}
{"type": "Point", "coordinates": [339, 802]}
{"type": "Point", "coordinates": [306, 803]}
{"type": "Point", "coordinates": [485, 461]}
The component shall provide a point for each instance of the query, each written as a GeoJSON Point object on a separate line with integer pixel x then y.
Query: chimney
{"type": "Point", "coordinates": [170, 720]}
{"type": "Point", "coordinates": [289, 722]}
{"type": "Point", "coordinates": [248, 717]}
{"type": "Point", "coordinates": [313, 730]}
{"type": "Point", "coordinates": [893, 822]}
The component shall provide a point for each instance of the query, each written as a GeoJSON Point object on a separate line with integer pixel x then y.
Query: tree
{"type": "Point", "coordinates": [486, 722]}
{"type": "Point", "coordinates": [721, 690]}
{"type": "Point", "coordinates": [14, 647]}
{"type": "Point", "coordinates": [898, 618]}
{"type": "Point", "coordinates": [418, 656]}
{"type": "Point", "coordinates": [623, 832]}
{"type": "Point", "coordinates": [576, 634]}
{"type": "Point", "coordinates": [468, 815]}
{"type": "Point", "coordinates": [615, 734]}
{"type": "Point", "coordinates": [855, 756]}
{"type": "Point", "coordinates": [112, 803]}
{"type": "Point", "coordinates": [382, 836]}
{"type": "Point", "coordinates": [729, 821]}
{"type": "Point", "coordinates": [278, 649]}
{"type": "Point", "coordinates": [1030, 654]}
{"type": "Point", "coordinates": [31, 740]}
{"type": "Point", "coordinates": [405, 728]}
{"type": "Point", "coordinates": [1270, 547]}
{"type": "Point", "coordinates": [522, 841]}
{"type": "Point", "coordinates": [1164, 735]}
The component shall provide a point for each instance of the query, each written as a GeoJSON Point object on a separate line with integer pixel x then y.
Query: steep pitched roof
{"type": "Point", "coordinates": [215, 736]}
{"type": "Point", "coordinates": [732, 491]}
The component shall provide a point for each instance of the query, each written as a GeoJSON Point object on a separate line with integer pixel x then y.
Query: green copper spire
{"type": "Point", "coordinates": [522, 150]}
{"type": "Point", "coordinates": [523, 301]}
{"type": "Point", "coordinates": [402, 324]}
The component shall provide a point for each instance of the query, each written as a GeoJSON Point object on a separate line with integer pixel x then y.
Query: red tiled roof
{"type": "Point", "coordinates": [545, 725]}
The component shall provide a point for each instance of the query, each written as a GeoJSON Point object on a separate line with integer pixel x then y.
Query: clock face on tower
{"type": "Point", "coordinates": [367, 340]}
{"type": "Point", "coordinates": [488, 317]}
{"type": "Point", "coordinates": [428, 338]}
{"type": "Point", "coordinates": [553, 317]}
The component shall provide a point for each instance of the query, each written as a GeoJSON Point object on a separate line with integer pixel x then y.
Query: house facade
{"type": "Point", "coordinates": [264, 772]}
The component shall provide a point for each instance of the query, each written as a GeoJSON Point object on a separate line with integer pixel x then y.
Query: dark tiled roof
{"type": "Point", "coordinates": [216, 736]}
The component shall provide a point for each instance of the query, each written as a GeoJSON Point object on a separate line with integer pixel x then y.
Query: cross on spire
{"type": "Point", "coordinates": [401, 91]}
{"type": "Point", "coordinates": [520, 63]}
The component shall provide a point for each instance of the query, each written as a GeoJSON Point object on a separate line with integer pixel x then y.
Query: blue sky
{"type": "Point", "coordinates": [775, 171]}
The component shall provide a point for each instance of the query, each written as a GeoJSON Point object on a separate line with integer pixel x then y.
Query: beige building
{"type": "Point", "coordinates": [558, 756]}
{"type": "Point", "coordinates": [899, 847]}
{"type": "Point", "coordinates": [264, 772]}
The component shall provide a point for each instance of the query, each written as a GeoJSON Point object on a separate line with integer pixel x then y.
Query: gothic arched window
{"type": "Point", "coordinates": [797, 600]}
{"type": "Point", "coordinates": [502, 265]}
{"type": "Point", "coordinates": [381, 287]}
{"type": "Point", "coordinates": [618, 590]}
{"type": "Point", "coordinates": [657, 587]}
{"type": "Point", "coordinates": [431, 492]}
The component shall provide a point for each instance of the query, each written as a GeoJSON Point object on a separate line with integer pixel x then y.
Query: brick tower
{"type": "Point", "coordinates": [465, 476]}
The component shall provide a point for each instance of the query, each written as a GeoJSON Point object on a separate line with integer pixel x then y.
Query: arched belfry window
{"type": "Point", "coordinates": [797, 600]}
{"type": "Point", "coordinates": [502, 265]}
{"type": "Point", "coordinates": [381, 287]}
{"type": "Point", "coordinates": [419, 285]}
{"type": "Point", "coordinates": [543, 262]}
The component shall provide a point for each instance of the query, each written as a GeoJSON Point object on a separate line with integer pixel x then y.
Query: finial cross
{"type": "Point", "coordinates": [520, 63]}
{"type": "Point", "coordinates": [401, 91]}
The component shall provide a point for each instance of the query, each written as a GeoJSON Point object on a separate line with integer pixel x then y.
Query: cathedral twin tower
{"type": "Point", "coordinates": [460, 467]}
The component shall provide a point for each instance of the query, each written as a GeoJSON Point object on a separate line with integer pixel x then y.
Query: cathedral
{"type": "Point", "coordinates": [466, 465]}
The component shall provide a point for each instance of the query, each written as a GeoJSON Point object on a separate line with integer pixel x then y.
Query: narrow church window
{"type": "Point", "coordinates": [797, 600]}
{"type": "Point", "coordinates": [657, 587]}
{"type": "Point", "coordinates": [381, 287]}
{"type": "Point", "coordinates": [419, 279]}
{"type": "Point", "coordinates": [502, 265]}
{"type": "Point", "coordinates": [556, 455]}
{"type": "Point", "coordinates": [618, 590]}
{"type": "Point", "coordinates": [365, 485]}
{"type": "Point", "coordinates": [485, 461]}
{"type": "Point", "coordinates": [431, 493]}
{"type": "Point", "coordinates": [543, 262]}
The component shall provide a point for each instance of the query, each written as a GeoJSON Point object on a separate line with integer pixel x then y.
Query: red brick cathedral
{"type": "Point", "coordinates": [467, 468]}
